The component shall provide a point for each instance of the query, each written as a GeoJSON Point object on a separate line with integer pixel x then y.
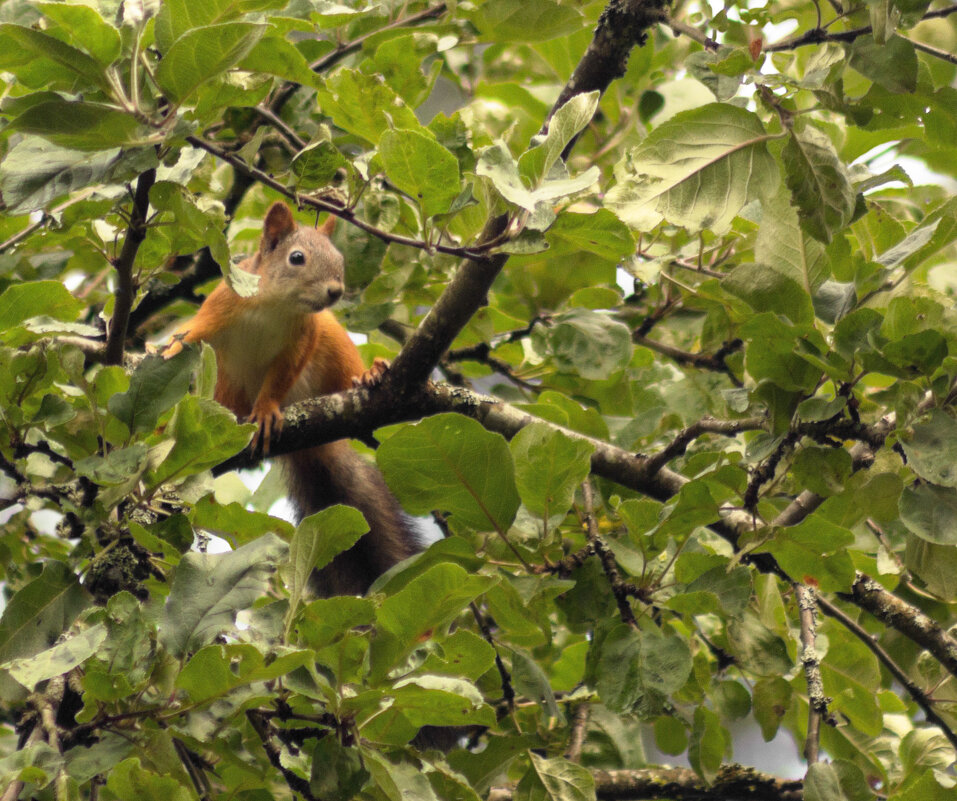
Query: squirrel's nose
{"type": "Point", "coordinates": [335, 292]}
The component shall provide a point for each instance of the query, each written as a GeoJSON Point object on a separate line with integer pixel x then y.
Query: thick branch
{"type": "Point", "coordinates": [622, 25]}
{"type": "Point", "coordinates": [125, 290]}
{"type": "Point", "coordinates": [905, 618]}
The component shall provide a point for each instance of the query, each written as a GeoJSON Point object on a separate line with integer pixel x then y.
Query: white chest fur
{"type": "Point", "coordinates": [258, 336]}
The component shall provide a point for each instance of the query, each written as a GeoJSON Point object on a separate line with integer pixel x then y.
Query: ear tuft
{"type": "Point", "coordinates": [329, 225]}
{"type": "Point", "coordinates": [279, 223]}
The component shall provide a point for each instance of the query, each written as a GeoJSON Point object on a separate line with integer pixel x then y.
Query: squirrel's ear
{"type": "Point", "coordinates": [279, 223]}
{"type": "Point", "coordinates": [329, 225]}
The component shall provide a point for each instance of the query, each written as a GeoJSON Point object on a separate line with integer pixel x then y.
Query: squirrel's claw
{"type": "Point", "coordinates": [269, 419]}
{"type": "Point", "coordinates": [373, 375]}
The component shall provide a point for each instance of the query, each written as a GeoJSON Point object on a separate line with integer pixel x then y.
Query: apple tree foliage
{"type": "Point", "coordinates": [682, 277]}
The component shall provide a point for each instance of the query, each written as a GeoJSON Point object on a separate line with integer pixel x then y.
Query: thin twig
{"type": "Point", "coordinates": [716, 362]}
{"type": "Point", "coordinates": [936, 52]}
{"type": "Point", "coordinates": [606, 557]}
{"type": "Point", "coordinates": [508, 692]}
{"type": "Point", "coordinates": [125, 290]}
{"type": "Point", "coordinates": [347, 48]}
{"type": "Point", "coordinates": [820, 35]}
{"type": "Point", "coordinates": [280, 124]}
{"type": "Point", "coordinates": [475, 253]}
{"type": "Point", "coordinates": [683, 29]}
{"type": "Point", "coordinates": [706, 425]}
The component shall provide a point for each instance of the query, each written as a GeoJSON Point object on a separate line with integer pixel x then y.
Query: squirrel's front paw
{"type": "Point", "coordinates": [268, 417]}
{"type": "Point", "coordinates": [172, 349]}
{"type": "Point", "coordinates": [373, 375]}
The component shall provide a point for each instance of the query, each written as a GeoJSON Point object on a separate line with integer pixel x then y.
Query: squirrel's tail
{"type": "Point", "coordinates": [335, 473]}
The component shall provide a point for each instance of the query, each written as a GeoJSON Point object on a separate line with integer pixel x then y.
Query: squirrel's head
{"type": "Point", "coordinates": [299, 265]}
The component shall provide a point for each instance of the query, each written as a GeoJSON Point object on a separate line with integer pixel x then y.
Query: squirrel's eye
{"type": "Point", "coordinates": [297, 258]}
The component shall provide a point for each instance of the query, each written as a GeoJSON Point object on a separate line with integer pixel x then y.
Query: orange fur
{"type": "Point", "coordinates": [281, 346]}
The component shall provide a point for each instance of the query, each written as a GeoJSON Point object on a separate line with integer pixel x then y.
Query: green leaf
{"type": "Point", "coordinates": [819, 183]}
{"type": "Point", "coordinates": [535, 164]}
{"type": "Point", "coordinates": [20, 302]}
{"type": "Point", "coordinates": [59, 659]}
{"type": "Point", "coordinates": [337, 771]}
{"type": "Point", "coordinates": [697, 170]}
{"type": "Point", "coordinates": [317, 164]}
{"type": "Point", "coordinates": [709, 741]}
{"type": "Point", "coordinates": [930, 512]}
{"type": "Point", "coordinates": [35, 171]}
{"type": "Point", "coordinates": [218, 669]}
{"type": "Point", "coordinates": [118, 466]}
{"type": "Point", "coordinates": [87, 29]}
{"type": "Point", "coordinates": [326, 619]}
{"type": "Point", "coordinates": [462, 653]}
{"type": "Point", "coordinates": [318, 539]}
{"type": "Point", "coordinates": [892, 65]}
{"type": "Point", "coordinates": [204, 53]}
{"type": "Point", "coordinates": [81, 126]}
{"type": "Point", "coordinates": [601, 233]}
{"type": "Point", "coordinates": [156, 385]}
{"type": "Point", "coordinates": [204, 435]}
{"type": "Point", "coordinates": [766, 289]}
{"type": "Point", "coordinates": [631, 668]}
{"type": "Point", "coordinates": [209, 589]}
{"type": "Point", "coordinates": [531, 682]}
{"type": "Point", "coordinates": [176, 17]}
{"type": "Point", "coordinates": [931, 448]}
{"type": "Point", "coordinates": [757, 648]}
{"type": "Point", "coordinates": [450, 462]}
{"type": "Point", "coordinates": [555, 779]}
{"type": "Point", "coordinates": [128, 781]}
{"type": "Point", "coordinates": [525, 20]}
{"type": "Point", "coordinates": [430, 601]}
{"type": "Point", "coordinates": [586, 342]}
{"type": "Point", "coordinates": [851, 675]}
{"type": "Point", "coordinates": [822, 470]}
{"type": "Point", "coordinates": [198, 226]}
{"type": "Point", "coordinates": [364, 105]}
{"type": "Point", "coordinates": [37, 615]}
{"type": "Point", "coordinates": [821, 783]}
{"type": "Point", "coordinates": [274, 55]}
{"type": "Point", "coordinates": [549, 467]}
{"type": "Point", "coordinates": [27, 52]}
{"type": "Point", "coordinates": [37, 764]}
{"type": "Point", "coordinates": [422, 168]}
{"type": "Point", "coordinates": [771, 700]}
{"type": "Point", "coordinates": [786, 249]}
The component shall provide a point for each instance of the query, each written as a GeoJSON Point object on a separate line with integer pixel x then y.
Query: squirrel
{"type": "Point", "coordinates": [281, 346]}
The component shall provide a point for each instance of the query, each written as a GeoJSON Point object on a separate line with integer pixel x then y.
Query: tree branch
{"type": "Point", "coordinates": [347, 48]}
{"type": "Point", "coordinates": [817, 701]}
{"type": "Point", "coordinates": [125, 290]}
{"type": "Point", "coordinates": [705, 361]}
{"type": "Point", "coordinates": [706, 425]}
{"type": "Point", "coordinates": [821, 35]}
{"type": "Point", "coordinates": [905, 618]}
{"type": "Point", "coordinates": [893, 668]}
{"type": "Point", "coordinates": [606, 557]}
